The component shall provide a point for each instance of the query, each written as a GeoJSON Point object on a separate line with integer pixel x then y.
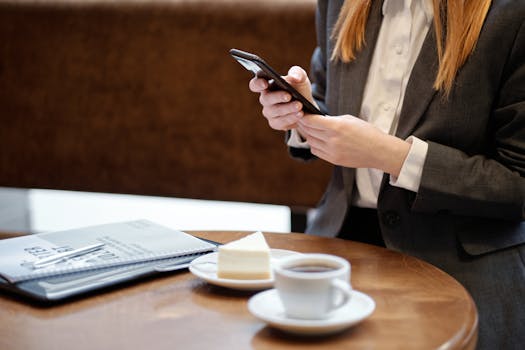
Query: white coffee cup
{"type": "Point", "coordinates": [312, 286]}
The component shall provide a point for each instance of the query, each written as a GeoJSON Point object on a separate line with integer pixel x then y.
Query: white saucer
{"type": "Point", "coordinates": [267, 307]}
{"type": "Point", "coordinates": [205, 267]}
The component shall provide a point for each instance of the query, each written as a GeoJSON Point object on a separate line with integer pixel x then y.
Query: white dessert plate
{"type": "Point", "coordinates": [205, 267]}
{"type": "Point", "coordinates": [267, 307]}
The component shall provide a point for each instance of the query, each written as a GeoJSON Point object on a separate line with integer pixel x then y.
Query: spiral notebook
{"type": "Point", "coordinates": [125, 243]}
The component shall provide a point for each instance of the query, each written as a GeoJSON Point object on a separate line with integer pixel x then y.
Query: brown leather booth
{"type": "Point", "coordinates": [142, 97]}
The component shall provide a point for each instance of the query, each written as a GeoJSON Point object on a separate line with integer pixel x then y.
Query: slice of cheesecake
{"type": "Point", "coordinates": [245, 259]}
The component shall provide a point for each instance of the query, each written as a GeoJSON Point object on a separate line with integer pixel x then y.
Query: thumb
{"type": "Point", "coordinates": [298, 78]}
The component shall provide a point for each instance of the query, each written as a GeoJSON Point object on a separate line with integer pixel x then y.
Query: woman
{"type": "Point", "coordinates": [428, 139]}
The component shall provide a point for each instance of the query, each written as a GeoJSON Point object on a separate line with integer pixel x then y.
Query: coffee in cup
{"type": "Point", "coordinates": [312, 286]}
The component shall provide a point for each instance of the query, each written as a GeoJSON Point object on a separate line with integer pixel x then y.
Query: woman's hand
{"type": "Point", "coordinates": [278, 109]}
{"type": "Point", "coordinates": [352, 142]}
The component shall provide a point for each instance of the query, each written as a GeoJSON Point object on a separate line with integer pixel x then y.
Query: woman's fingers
{"type": "Point", "coordinates": [279, 109]}
{"type": "Point", "coordinates": [314, 137]}
{"type": "Point", "coordinates": [284, 122]}
{"type": "Point", "coordinates": [274, 97]}
{"type": "Point", "coordinates": [258, 84]}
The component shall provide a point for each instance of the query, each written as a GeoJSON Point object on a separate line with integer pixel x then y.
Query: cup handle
{"type": "Point", "coordinates": [346, 292]}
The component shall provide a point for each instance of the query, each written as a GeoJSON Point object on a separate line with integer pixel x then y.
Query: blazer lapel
{"type": "Point", "coordinates": [420, 90]}
{"type": "Point", "coordinates": [353, 76]}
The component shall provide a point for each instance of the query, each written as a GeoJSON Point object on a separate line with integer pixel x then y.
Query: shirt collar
{"type": "Point", "coordinates": [427, 5]}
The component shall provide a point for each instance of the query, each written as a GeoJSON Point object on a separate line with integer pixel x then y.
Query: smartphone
{"type": "Point", "coordinates": [261, 69]}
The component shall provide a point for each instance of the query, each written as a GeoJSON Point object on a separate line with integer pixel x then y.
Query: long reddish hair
{"type": "Point", "coordinates": [457, 24]}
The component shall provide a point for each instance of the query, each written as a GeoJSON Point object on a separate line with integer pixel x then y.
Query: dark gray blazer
{"type": "Point", "coordinates": [468, 215]}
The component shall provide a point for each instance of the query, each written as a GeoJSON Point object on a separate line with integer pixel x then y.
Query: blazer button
{"type": "Point", "coordinates": [391, 219]}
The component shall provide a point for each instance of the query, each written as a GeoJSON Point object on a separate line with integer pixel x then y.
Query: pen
{"type": "Point", "coordinates": [70, 254]}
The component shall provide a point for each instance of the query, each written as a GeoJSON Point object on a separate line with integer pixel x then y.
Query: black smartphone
{"type": "Point", "coordinates": [261, 69]}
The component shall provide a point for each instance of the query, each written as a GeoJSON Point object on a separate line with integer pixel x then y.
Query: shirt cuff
{"type": "Point", "coordinates": [410, 175]}
{"type": "Point", "coordinates": [296, 141]}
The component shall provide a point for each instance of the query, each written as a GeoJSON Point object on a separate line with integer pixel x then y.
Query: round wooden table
{"type": "Point", "coordinates": [417, 307]}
